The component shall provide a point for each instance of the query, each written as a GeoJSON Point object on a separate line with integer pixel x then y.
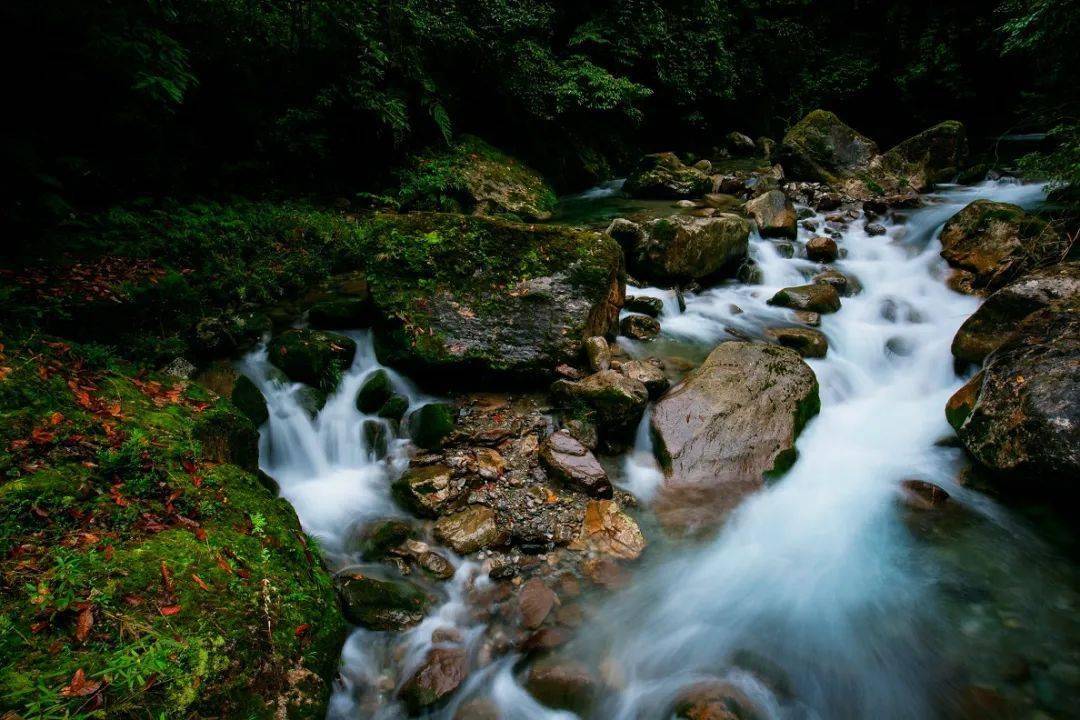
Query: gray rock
{"type": "Point", "coordinates": [820, 298]}
{"type": "Point", "coordinates": [774, 214]}
{"type": "Point", "coordinates": [639, 327]}
{"type": "Point", "coordinates": [570, 462]}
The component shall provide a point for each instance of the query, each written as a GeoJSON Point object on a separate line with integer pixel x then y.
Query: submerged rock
{"type": "Point", "coordinates": [715, 701]}
{"type": "Point", "coordinates": [562, 684]}
{"type": "Point", "coordinates": [996, 319]}
{"type": "Point", "coordinates": [382, 604]}
{"type": "Point", "coordinates": [439, 675]}
{"type": "Point", "coordinates": [375, 391]}
{"type": "Point", "coordinates": [664, 176]}
{"type": "Point", "coordinates": [819, 298]}
{"type": "Point", "coordinates": [922, 495]}
{"type": "Point", "coordinates": [806, 342]}
{"type": "Point", "coordinates": [733, 420]}
{"type": "Point", "coordinates": [570, 462]}
{"type": "Point", "coordinates": [535, 602]}
{"type": "Point", "coordinates": [313, 357]}
{"type": "Point", "coordinates": [774, 214]}
{"type": "Point", "coordinates": [845, 285]}
{"type": "Point", "coordinates": [639, 327]}
{"type": "Point", "coordinates": [682, 249]}
{"type": "Point", "coordinates": [993, 243]}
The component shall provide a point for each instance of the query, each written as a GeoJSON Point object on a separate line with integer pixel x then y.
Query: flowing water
{"type": "Point", "coordinates": [821, 597]}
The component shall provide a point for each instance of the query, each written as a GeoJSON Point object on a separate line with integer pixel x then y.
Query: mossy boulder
{"type": "Point", "coordinates": [341, 313]}
{"type": "Point", "coordinates": [614, 402]}
{"type": "Point", "coordinates": [313, 357]}
{"type": "Point", "coordinates": [382, 604]}
{"type": "Point", "coordinates": [426, 490]}
{"type": "Point", "coordinates": [664, 176]}
{"type": "Point", "coordinates": [471, 176]}
{"type": "Point", "coordinates": [227, 436]}
{"type": "Point", "coordinates": [394, 408]}
{"type": "Point", "coordinates": [729, 424]}
{"type": "Point", "coordinates": [430, 424]}
{"type": "Point", "coordinates": [310, 399]}
{"type": "Point", "coordinates": [682, 248]}
{"type": "Point", "coordinates": [249, 400]}
{"type": "Point", "coordinates": [472, 300]}
{"type": "Point", "coordinates": [380, 537]}
{"type": "Point", "coordinates": [821, 148]}
{"type": "Point", "coordinates": [375, 392]}
{"type": "Point", "coordinates": [992, 243]}
{"type": "Point", "coordinates": [225, 334]}
{"type": "Point", "coordinates": [935, 155]}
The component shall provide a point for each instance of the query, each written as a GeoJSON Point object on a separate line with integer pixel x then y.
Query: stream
{"type": "Point", "coordinates": [843, 603]}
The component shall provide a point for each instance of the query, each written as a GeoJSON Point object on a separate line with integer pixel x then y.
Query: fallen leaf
{"type": "Point", "coordinates": [199, 581]}
{"type": "Point", "coordinates": [80, 686]}
{"type": "Point", "coordinates": [169, 610]}
{"type": "Point", "coordinates": [84, 624]}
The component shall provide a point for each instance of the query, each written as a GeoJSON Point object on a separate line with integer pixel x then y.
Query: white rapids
{"type": "Point", "coordinates": [815, 578]}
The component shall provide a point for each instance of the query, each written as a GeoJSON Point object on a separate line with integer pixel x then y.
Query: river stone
{"type": "Point", "coordinates": [996, 319]}
{"type": "Point", "coordinates": [394, 408]}
{"type": "Point", "coordinates": [535, 600]}
{"type": "Point", "coordinates": [570, 462]}
{"type": "Point", "coordinates": [381, 536]}
{"type": "Point", "coordinates": [469, 530]}
{"type": "Point", "coordinates": [597, 353]}
{"type": "Point", "coordinates": [651, 306]}
{"type": "Point", "coordinates": [821, 249]}
{"type": "Point", "coordinates": [426, 490]}
{"type": "Point", "coordinates": [430, 424]}
{"type": "Point", "coordinates": [922, 495]}
{"type": "Point", "coordinates": [382, 604]}
{"type": "Point", "coordinates": [845, 285]}
{"type": "Point", "coordinates": [1020, 416]}
{"type": "Point", "coordinates": [820, 147]}
{"type": "Point", "coordinates": [312, 357]}
{"type": "Point", "coordinates": [607, 530]}
{"type": "Point", "coordinates": [249, 400]}
{"type": "Point", "coordinates": [819, 298]}
{"type": "Point", "coordinates": [471, 301]}
{"type": "Point", "coordinates": [616, 401]}
{"type": "Point", "coordinates": [562, 684]}
{"type": "Point", "coordinates": [583, 431]}
{"type": "Point", "coordinates": [683, 249]}
{"type": "Point", "coordinates": [376, 437]}
{"type": "Point", "coordinates": [935, 155]}
{"type": "Point", "coordinates": [374, 392]}
{"type": "Point", "coordinates": [626, 233]}
{"type": "Point", "coordinates": [774, 214]}
{"type": "Point", "coordinates": [715, 701]}
{"type": "Point", "coordinates": [648, 373]}
{"type": "Point", "coordinates": [739, 145]}
{"type": "Point", "coordinates": [664, 176]}
{"type": "Point", "coordinates": [440, 674]}
{"type": "Point", "coordinates": [993, 243]}
{"type": "Point", "coordinates": [734, 419]}
{"type": "Point", "coordinates": [805, 341]}
{"type": "Point", "coordinates": [639, 327]}
{"type": "Point", "coordinates": [723, 202]}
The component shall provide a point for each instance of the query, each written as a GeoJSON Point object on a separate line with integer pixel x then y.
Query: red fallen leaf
{"type": "Point", "coordinates": [56, 418]}
{"type": "Point", "coordinates": [133, 600]}
{"type": "Point", "coordinates": [200, 534]}
{"type": "Point", "coordinates": [243, 573]}
{"type": "Point", "coordinates": [169, 610]}
{"type": "Point", "coordinates": [189, 466]}
{"type": "Point", "coordinates": [302, 629]}
{"type": "Point", "coordinates": [199, 581]}
{"type": "Point", "coordinates": [109, 551]}
{"type": "Point", "coordinates": [150, 681]}
{"type": "Point", "coordinates": [42, 436]}
{"type": "Point", "coordinates": [167, 579]}
{"type": "Point", "coordinates": [224, 565]}
{"type": "Point", "coordinates": [84, 624]}
{"type": "Point", "coordinates": [39, 626]}
{"type": "Point", "coordinates": [39, 512]}
{"type": "Point", "coordinates": [80, 686]}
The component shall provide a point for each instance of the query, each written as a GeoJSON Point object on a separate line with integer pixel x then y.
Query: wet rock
{"type": "Point", "coordinates": [309, 399]}
{"type": "Point", "coordinates": [1020, 416]}
{"type": "Point", "coordinates": [808, 343]}
{"type": "Point", "coordinates": [616, 401]}
{"type": "Point", "coordinates": [469, 530]}
{"type": "Point", "coordinates": [651, 306]}
{"type": "Point", "coordinates": [313, 357]}
{"type": "Point", "coordinates": [664, 176]}
{"type": "Point", "coordinates": [739, 145]}
{"type": "Point", "coordinates": [649, 373]}
{"type": "Point", "coordinates": [997, 318]}
{"type": "Point", "coordinates": [375, 391]}
{"type": "Point", "coordinates": [440, 674]}
{"type": "Point", "coordinates": [639, 327]}
{"type": "Point", "coordinates": [426, 490]}
{"type": "Point", "coordinates": [821, 249]}
{"type": "Point", "coordinates": [609, 531]}
{"type": "Point", "coordinates": [994, 243]}
{"type": "Point", "coordinates": [774, 214]}
{"type": "Point", "coordinates": [381, 536]}
{"type": "Point", "coordinates": [430, 424]}
{"type": "Point", "coordinates": [807, 317]}
{"type": "Point", "coordinates": [874, 229]}
{"type": "Point", "coordinates": [922, 495]}
{"type": "Point", "coordinates": [535, 600]}
{"type": "Point", "coordinates": [571, 463]}
{"type": "Point", "coordinates": [223, 335]}
{"type": "Point", "coordinates": [376, 437]}
{"type": "Point", "coordinates": [766, 147]}
{"type": "Point", "coordinates": [342, 313]}
{"type": "Point", "coordinates": [683, 248]}
{"type": "Point", "coordinates": [394, 408]}
{"type": "Point", "coordinates": [935, 155]}
{"type": "Point", "coordinates": [715, 701]}
{"type": "Point", "coordinates": [562, 684]}
{"type": "Point", "coordinates": [844, 284]}
{"type": "Point", "coordinates": [597, 353]}
{"type": "Point", "coordinates": [748, 273]}
{"type": "Point", "coordinates": [723, 202]}
{"type": "Point", "coordinates": [583, 431]}
{"type": "Point", "coordinates": [249, 400]}
{"type": "Point", "coordinates": [820, 298]}
{"type": "Point", "coordinates": [626, 233]}
{"type": "Point", "coordinates": [479, 709]}
{"type": "Point", "coordinates": [785, 250]}
{"type": "Point", "coordinates": [545, 639]}
{"type": "Point", "coordinates": [822, 148]}
{"type": "Point", "coordinates": [733, 420]}
{"type": "Point", "coordinates": [382, 604]}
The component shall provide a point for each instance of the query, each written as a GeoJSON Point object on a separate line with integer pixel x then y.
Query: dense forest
{"type": "Point", "coordinates": [536, 360]}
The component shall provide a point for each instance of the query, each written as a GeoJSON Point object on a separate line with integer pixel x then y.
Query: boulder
{"type": "Point", "coordinates": [309, 399]}
{"type": "Point", "coordinates": [664, 176]}
{"type": "Point", "coordinates": [734, 420]}
{"type": "Point", "coordinates": [440, 674]}
{"type": "Point", "coordinates": [739, 145]}
{"type": "Point", "coordinates": [845, 285]}
{"type": "Point", "coordinates": [649, 373]}
{"type": "Point", "coordinates": [997, 318]}
{"type": "Point", "coordinates": [936, 155]}
{"type": "Point", "coordinates": [313, 357]}
{"type": "Point", "coordinates": [569, 461]}
{"type": "Point", "coordinates": [774, 214]}
{"type": "Point", "coordinates": [626, 233]}
{"type": "Point", "coordinates": [341, 313]}
{"type": "Point", "coordinates": [562, 684]}
{"type": "Point", "coordinates": [682, 248]}
{"type": "Point", "coordinates": [426, 490]}
{"type": "Point", "coordinates": [382, 604]}
{"type": "Point", "coordinates": [469, 530]}
{"type": "Point", "coordinates": [607, 530]}
{"type": "Point", "coordinates": [374, 392]}
{"type": "Point", "coordinates": [821, 249]}
{"type": "Point", "coordinates": [639, 327]}
{"type": "Point", "coordinates": [394, 408]}
{"type": "Point", "coordinates": [378, 538]}
{"type": "Point", "coordinates": [376, 437]}
{"type": "Point", "coordinates": [820, 147]}
{"type": "Point", "coordinates": [430, 424]}
{"type": "Point", "coordinates": [993, 243]}
{"type": "Point", "coordinates": [473, 177]}
{"type": "Point", "coordinates": [615, 401]}
{"type": "Point", "coordinates": [1020, 416]}
{"type": "Point", "coordinates": [715, 701]}
{"type": "Point", "coordinates": [808, 343]}
{"type": "Point", "coordinates": [819, 298]}
{"type": "Point", "coordinates": [651, 306]}
{"type": "Point", "coordinates": [249, 400]}
{"type": "Point", "coordinates": [597, 353]}
{"type": "Point", "coordinates": [474, 301]}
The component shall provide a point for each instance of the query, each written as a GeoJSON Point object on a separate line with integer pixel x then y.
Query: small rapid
{"type": "Point", "coordinates": [816, 599]}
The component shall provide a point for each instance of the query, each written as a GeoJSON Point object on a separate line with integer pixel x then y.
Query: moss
{"type": "Point", "coordinates": [374, 392]}
{"type": "Point", "coordinates": [394, 408]}
{"type": "Point", "coordinates": [250, 401]}
{"type": "Point", "coordinates": [430, 424]}
{"type": "Point", "coordinates": [312, 357]}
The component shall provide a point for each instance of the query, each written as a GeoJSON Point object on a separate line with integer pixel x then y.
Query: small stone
{"type": "Point", "coordinates": [821, 249]}
{"type": "Point", "coordinates": [597, 353]}
{"type": "Point", "coordinates": [922, 495]}
{"type": "Point", "coordinates": [651, 306]}
{"type": "Point", "coordinates": [180, 368]}
{"type": "Point", "coordinates": [608, 530]}
{"type": "Point", "coordinates": [535, 601]}
{"type": "Point", "coordinates": [873, 229]}
{"type": "Point", "coordinates": [571, 463]}
{"type": "Point", "coordinates": [806, 342]}
{"type": "Point", "coordinates": [639, 327]}
{"type": "Point", "coordinates": [469, 530]}
{"type": "Point", "coordinates": [818, 298]}
{"type": "Point", "coordinates": [649, 374]}
{"type": "Point", "coordinates": [845, 285]}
